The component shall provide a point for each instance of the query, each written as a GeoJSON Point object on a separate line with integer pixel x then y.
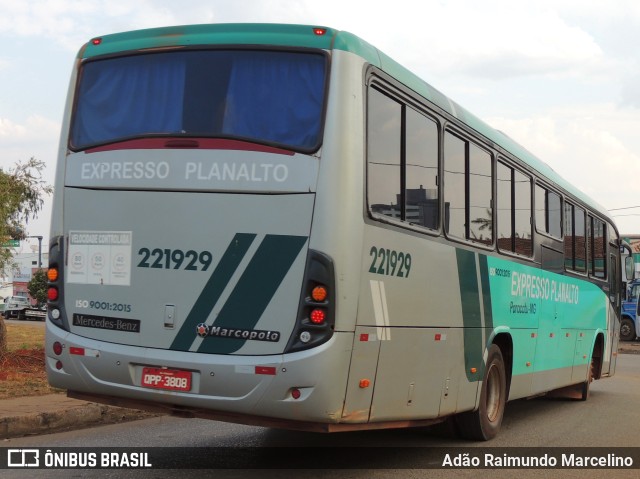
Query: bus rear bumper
{"type": "Point", "coordinates": [248, 419]}
{"type": "Point", "coordinates": [304, 388]}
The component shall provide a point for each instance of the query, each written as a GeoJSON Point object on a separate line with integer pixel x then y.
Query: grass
{"type": "Point", "coordinates": [22, 370]}
{"type": "Point", "coordinates": [25, 336]}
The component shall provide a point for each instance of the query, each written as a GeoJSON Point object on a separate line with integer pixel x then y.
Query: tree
{"type": "Point", "coordinates": [38, 286]}
{"type": "Point", "coordinates": [22, 193]}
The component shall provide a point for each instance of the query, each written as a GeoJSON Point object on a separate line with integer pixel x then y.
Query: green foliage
{"type": "Point", "coordinates": [22, 193]}
{"type": "Point", "coordinates": [38, 286]}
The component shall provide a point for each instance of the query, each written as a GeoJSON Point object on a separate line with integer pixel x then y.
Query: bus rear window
{"type": "Point", "coordinates": [268, 97]}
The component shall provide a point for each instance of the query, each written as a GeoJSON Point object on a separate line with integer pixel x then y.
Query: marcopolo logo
{"type": "Point", "coordinates": [203, 330]}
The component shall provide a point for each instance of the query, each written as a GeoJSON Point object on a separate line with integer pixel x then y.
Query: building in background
{"type": "Point", "coordinates": [25, 263]}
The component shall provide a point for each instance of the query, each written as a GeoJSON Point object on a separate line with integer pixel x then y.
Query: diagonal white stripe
{"type": "Point", "coordinates": [380, 310]}
{"type": "Point", "coordinates": [385, 312]}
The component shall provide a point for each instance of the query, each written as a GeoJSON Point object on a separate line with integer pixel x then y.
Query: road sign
{"type": "Point", "coordinates": [11, 244]}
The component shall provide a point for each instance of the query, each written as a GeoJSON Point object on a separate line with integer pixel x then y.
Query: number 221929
{"type": "Point", "coordinates": [174, 259]}
{"type": "Point", "coordinates": [389, 262]}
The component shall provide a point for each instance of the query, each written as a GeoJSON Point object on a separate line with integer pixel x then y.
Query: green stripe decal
{"type": "Point", "coordinates": [471, 317]}
{"type": "Point", "coordinates": [486, 293]}
{"type": "Point", "coordinates": [218, 281]}
{"type": "Point", "coordinates": [254, 291]}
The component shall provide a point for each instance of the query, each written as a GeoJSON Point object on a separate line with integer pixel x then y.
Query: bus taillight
{"type": "Point", "coordinates": [319, 294]}
{"type": "Point", "coordinates": [52, 293]}
{"type": "Point", "coordinates": [316, 311]}
{"type": "Point", "coordinates": [317, 316]}
{"type": "Point", "coordinates": [55, 276]}
{"type": "Point", "coordinates": [52, 275]}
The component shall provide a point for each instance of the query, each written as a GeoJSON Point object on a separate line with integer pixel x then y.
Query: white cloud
{"type": "Point", "coordinates": [36, 137]}
{"type": "Point", "coordinates": [491, 38]}
{"type": "Point", "coordinates": [9, 130]}
{"type": "Point", "coordinates": [36, 129]}
{"type": "Point", "coordinates": [594, 147]}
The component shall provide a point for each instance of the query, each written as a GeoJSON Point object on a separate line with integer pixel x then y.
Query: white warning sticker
{"type": "Point", "coordinates": [99, 257]}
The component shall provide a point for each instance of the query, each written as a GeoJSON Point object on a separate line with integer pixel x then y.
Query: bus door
{"type": "Point", "coordinates": [613, 320]}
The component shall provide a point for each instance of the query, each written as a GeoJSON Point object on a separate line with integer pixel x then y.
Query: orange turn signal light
{"type": "Point", "coordinates": [52, 274]}
{"type": "Point", "coordinates": [319, 294]}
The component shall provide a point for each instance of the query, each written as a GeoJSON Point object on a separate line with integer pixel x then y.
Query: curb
{"type": "Point", "coordinates": [629, 347]}
{"type": "Point", "coordinates": [77, 417]}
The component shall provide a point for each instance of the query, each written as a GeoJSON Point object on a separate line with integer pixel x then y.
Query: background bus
{"type": "Point", "coordinates": [280, 225]}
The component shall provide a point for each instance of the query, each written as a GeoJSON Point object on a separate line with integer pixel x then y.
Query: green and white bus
{"type": "Point", "coordinates": [280, 225]}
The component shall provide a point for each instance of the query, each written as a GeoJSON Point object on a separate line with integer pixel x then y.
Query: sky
{"type": "Point", "coordinates": [561, 77]}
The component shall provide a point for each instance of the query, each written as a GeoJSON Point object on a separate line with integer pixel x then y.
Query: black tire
{"type": "Point", "coordinates": [627, 330]}
{"type": "Point", "coordinates": [484, 423]}
{"type": "Point", "coordinates": [591, 373]}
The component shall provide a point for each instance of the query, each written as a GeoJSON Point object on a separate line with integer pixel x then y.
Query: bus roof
{"type": "Point", "coordinates": [327, 39]}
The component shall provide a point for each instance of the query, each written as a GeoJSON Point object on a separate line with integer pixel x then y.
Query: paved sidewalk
{"type": "Point", "coordinates": [24, 416]}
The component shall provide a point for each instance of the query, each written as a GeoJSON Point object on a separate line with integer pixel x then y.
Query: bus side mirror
{"type": "Point", "coordinates": [630, 267]}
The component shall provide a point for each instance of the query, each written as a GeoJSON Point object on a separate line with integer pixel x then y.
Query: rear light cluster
{"type": "Point", "coordinates": [57, 350]}
{"type": "Point", "coordinates": [316, 312]}
{"type": "Point", "coordinates": [54, 277]}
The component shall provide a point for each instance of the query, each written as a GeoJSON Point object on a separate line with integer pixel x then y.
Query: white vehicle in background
{"type": "Point", "coordinates": [19, 307]}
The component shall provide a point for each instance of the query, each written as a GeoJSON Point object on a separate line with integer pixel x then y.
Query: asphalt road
{"type": "Point", "coordinates": [609, 419]}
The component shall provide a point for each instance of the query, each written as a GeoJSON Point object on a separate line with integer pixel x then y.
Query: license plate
{"type": "Point", "coordinates": [171, 379]}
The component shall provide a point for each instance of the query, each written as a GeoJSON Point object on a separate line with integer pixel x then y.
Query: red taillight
{"type": "Point", "coordinates": [52, 294]}
{"type": "Point", "coordinates": [319, 31]}
{"type": "Point", "coordinates": [96, 41]}
{"type": "Point", "coordinates": [317, 316]}
{"type": "Point", "coordinates": [57, 348]}
{"type": "Point", "coordinates": [295, 393]}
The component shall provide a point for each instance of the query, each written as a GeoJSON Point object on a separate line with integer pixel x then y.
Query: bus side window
{"type": "Point", "coordinates": [514, 211]}
{"type": "Point", "coordinates": [596, 247]}
{"type": "Point", "coordinates": [574, 238]}
{"type": "Point", "coordinates": [455, 193]}
{"type": "Point", "coordinates": [384, 121]}
{"type": "Point", "coordinates": [421, 175]}
{"type": "Point", "coordinates": [468, 193]}
{"type": "Point", "coordinates": [548, 212]}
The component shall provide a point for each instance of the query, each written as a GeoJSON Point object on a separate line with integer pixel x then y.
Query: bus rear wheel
{"type": "Point", "coordinates": [586, 386]}
{"type": "Point", "coordinates": [484, 423]}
